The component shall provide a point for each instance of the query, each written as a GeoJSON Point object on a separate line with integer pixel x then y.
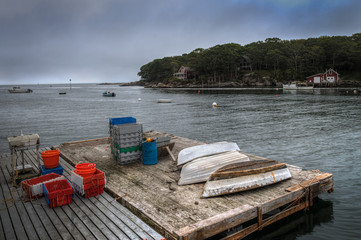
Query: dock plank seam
{"type": "Point", "coordinates": [12, 209]}
{"type": "Point", "coordinates": [4, 213]}
{"type": "Point", "coordinates": [23, 213]}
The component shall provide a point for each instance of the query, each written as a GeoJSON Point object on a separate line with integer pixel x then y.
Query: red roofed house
{"type": "Point", "coordinates": [184, 73]}
{"type": "Point", "coordinates": [328, 77]}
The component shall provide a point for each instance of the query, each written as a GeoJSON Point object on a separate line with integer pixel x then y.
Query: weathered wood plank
{"type": "Point", "coordinates": [39, 228]}
{"type": "Point", "coordinates": [129, 215]}
{"type": "Point", "coordinates": [306, 183]}
{"type": "Point", "coordinates": [69, 224]}
{"type": "Point", "coordinates": [8, 229]}
{"type": "Point", "coordinates": [244, 232]}
{"type": "Point", "coordinates": [110, 220]}
{"type": "Point", "coordinates": [58, 224]}
{"type": "Point", "coordinates": [46, 221]}
{"type": "Point", "coordinates": [17, 194]}
{"type": "Point", "coordinates": [114, 219]}
{"type": "Point", "coordinates": [11, 207]}
{"type": "Point", "coordinates": [211, 226]}
{"type": "Point", "coordinates": [108, 227]}
{"type": "Point", "coordinates": [78, 224]}
{"type": "Point", "coordinates": [92, 227]}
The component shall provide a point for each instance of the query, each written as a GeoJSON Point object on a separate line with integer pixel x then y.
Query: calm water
{"type": "Point", "coordinates": [319, 130]}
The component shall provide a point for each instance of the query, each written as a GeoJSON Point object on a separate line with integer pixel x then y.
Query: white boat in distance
{"type": "Point", "coordinates": [164, 100]}
{"type": "Point", "coordinates": [296, 86]}
{"type": "Point", "coordinates": [17, 89]}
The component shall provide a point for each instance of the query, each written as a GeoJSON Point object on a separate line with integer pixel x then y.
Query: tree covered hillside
{"type": "Point", "coordinates": [274, 59]}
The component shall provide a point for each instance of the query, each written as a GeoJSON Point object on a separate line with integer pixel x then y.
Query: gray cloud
{"type": "Point", "coordinates": [109, 40]}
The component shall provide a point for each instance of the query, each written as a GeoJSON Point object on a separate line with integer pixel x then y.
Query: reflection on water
{"type": "Point", "coordinates": [293, 226]}
{"type": "Point", "coordinates": [301, 223]}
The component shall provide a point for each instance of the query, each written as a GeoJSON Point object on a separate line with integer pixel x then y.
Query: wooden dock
{"type": "Point", "coordinates": [177, 212]}
{"type": "Point", "coordinates": [100, 217]}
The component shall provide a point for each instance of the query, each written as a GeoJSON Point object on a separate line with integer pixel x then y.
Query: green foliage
{"type": "Point", "coordinates": [281, 60]}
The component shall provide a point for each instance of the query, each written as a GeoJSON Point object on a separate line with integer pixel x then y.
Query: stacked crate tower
{"type": "Point", "coordinates": [125, 140]}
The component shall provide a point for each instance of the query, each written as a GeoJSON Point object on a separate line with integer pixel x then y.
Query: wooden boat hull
{"type": "Point", "coordinates": [245, 176]}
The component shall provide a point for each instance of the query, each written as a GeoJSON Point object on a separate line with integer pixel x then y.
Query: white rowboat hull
{"type": "Point", "coordinates": [242, 183]}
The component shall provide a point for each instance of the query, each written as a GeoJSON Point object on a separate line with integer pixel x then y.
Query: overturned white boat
{"type": "Point", "coordinates": [191, 153]}
{"type": "Point", "coordinates": [245, 176]}
{"type": "Point", "coordinates": [200, 169]}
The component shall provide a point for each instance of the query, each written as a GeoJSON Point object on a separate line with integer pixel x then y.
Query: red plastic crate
{"type": "Point", "coordinates": [98, 175]}
{"type": "Point", "coordinates": [27, 185]}
{"type": "Point", "coordinates": [94, 183]}
{"type": "Point", "coordinates": [58, 193]}
{"type": "Point", "coordinates": [93, 191]}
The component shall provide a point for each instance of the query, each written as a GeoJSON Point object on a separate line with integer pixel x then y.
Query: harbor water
{"type": "Point", "coordinates": [319, 129]}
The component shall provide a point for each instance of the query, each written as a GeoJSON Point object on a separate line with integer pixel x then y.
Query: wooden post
{"type": "Point", "coordinates": [170, 153]}
{"type": "Point", "coordinates": [260, 222]}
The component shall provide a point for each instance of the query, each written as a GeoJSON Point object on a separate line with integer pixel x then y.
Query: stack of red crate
{"type": "Point", "coordinates": [89, 186]}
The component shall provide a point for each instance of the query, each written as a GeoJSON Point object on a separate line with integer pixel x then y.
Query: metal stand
{"type": "Point", "coordinates": [18, 144]}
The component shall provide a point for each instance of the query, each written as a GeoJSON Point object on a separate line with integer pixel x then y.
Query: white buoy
{"type": "Point", "coordinates": [139, 99]}
{"type": "Point", "coordinates": [215, 104]}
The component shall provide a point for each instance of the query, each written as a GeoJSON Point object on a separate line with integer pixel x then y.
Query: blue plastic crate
{"type": "Point", "coordinates": [58, 170]}
{"type": "Point", "coordinates": [122, 120]}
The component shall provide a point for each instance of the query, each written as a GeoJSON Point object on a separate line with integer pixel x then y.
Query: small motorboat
{"type": "Point", "coordinates": [244, 176]}
{"type": "Point", "coordinates": [17, 89]}
{"type": "Point", "coordinates": [296, 86]}
{"type": "Point", "coordinates": [62, 93]}
{"type": "Point", "coordinates": [108, 94]}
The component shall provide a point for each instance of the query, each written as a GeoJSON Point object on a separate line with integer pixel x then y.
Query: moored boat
{"type": "Point", "coordinates": [244, 176]}
{"type": "Point", "coordinates": [164, 100]}
{"type": "Point", "coordinates": [17, 89]}
{"type": "Point", "coordinates": [108, 94]}
{"type": "Point", "coordinates": [296, 86]}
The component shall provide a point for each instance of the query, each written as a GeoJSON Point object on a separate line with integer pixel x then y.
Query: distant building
{"type": "Point", "coordinates": [184, 73]}
{"type": "Point", "coordinates": [328, 77]}
{"type": "Point", "coordinates": [245, 63]}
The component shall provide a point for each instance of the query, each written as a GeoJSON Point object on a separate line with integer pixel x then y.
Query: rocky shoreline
{"type": "Point", "coordinates": [255, 84]}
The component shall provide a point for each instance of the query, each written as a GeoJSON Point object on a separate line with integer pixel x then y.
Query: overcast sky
{"type": "Point", "coordinates": [45, 41]}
